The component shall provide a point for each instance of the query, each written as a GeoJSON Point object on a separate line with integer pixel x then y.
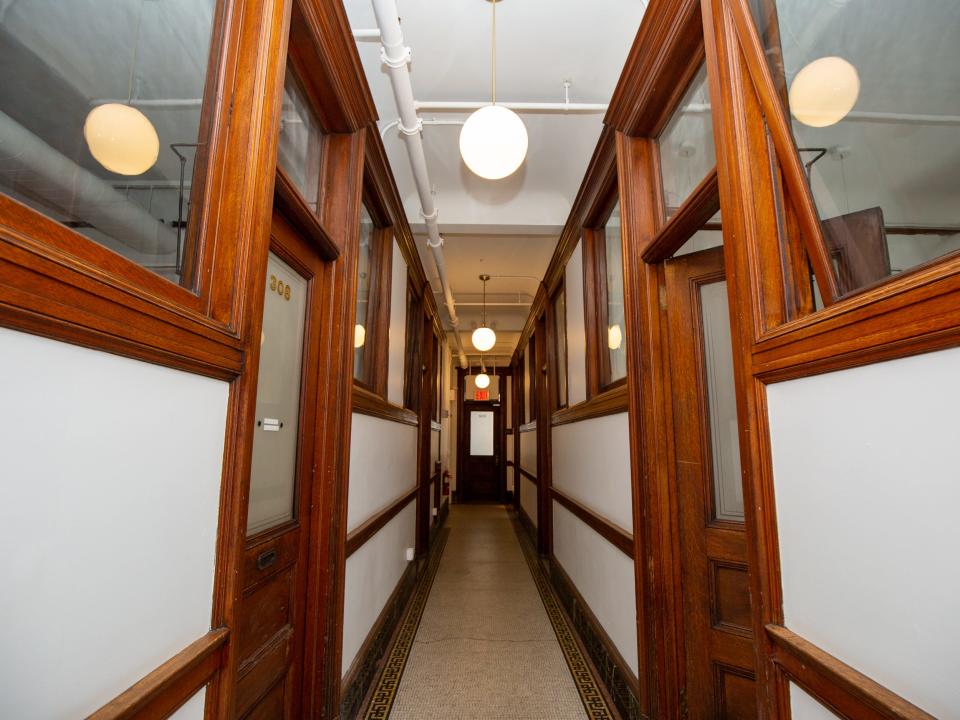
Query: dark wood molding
{"type": "Point", "coordinates": [360, 535]}
{"type": "Point", "coordinates": [529, 475]}
{"type": "Point", "coordinates": [702, 204]}
{"type": "Point", "coordinates": [609, 402]}
{"type": "Point", "coordinates": [621, 684]}
{"type": "Point", "coordinates": [613, 534]}
{"type": "Point", "coordinates": [160, 693]}
{"type": "Point", "coordinates": [846, 691]}
{"type": "Point", "coordinates": [366, 402]}
{"type": "Point", "coordinates": [291, 203]}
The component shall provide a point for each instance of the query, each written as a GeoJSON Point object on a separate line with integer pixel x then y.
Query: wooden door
{"type": "Point", "coordinates": [718, 638]}
{"type": "Point", "coordinates": [482, 452]}
{"type": "Point", "coordinates": [271, 618]}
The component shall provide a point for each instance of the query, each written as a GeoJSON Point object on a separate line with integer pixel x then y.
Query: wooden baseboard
{"type": "Point", "coordinates": [621, 683]}
{"type": "Point", "coordinates": [528, 525]}
{"type": "Point", "coordinates": [365, 666]}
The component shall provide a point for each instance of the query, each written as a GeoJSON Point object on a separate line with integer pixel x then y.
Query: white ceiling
{"type": "Point", "coordinates": [506, 227]}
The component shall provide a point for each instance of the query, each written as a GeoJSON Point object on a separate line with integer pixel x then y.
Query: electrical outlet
{"type": "Point", "coordinates": [409, 554]}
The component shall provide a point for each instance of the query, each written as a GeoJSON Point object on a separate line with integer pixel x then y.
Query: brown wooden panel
{"type": "Point", "coordinates": [272, 663]}
{"type": "Point", "coordinates": [271, 706]}
{"type": "Point", "coordinates": [366, 402]}
{"type": "Point", "coordinates": [264, 612]}
{"type": "Point", "coordinates": [269, 556]}
{"type": "Point", "coordinates": [730, 597]}
{"type": "Point", "coordinates": [736, 694]}
{"type": "Point", "coordinates": [609, 402]}
{"type": "Point", "coordinates": [616, 536]}
{"type": "Point", "coordinates": [361, 534]}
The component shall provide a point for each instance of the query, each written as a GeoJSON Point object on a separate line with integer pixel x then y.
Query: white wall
{"type": "Point", "coordinates": [372, 574]}
{"type": "Point", "coordinates": [576, 329]}
{"type": "Point", "coordinates": [398, 328]}
{"type": "Point", "coordinates": [528, 499]}
{"type": "Point", "coordinates": [591, 463]}
{"type": "Point", "coordinates": [805, 707]}
{"type": "Point", "coordinates": [528, 451]}
{"type": "Point", "coordinates": [383, 466]}
{"type": "Point", "coordinates": [192, 709]}
{"type": "Point", "coordinates": [109, 494]}
{"type": "Point", "coordinates": [603, 576]}
{"type": "Point", "coordinates": [867, 484]}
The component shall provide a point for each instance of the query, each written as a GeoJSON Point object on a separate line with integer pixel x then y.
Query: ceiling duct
{"type": "Point", "coordinates": [396, 58]}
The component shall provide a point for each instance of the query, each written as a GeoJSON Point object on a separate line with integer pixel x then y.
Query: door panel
{"type": "Point", "coordinates": [482, 452]}
{"type": "Point", "coordinates": [718, 642]}
{"type": "Point", "coordinates": [271, 616]}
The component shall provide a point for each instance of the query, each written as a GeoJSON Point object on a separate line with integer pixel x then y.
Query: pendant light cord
{"type": "Point", "coordinates": [485, 300]}
{"type": "Point", "coordinates": [136, 48]}
{"type": "Point", "coordinates": [493, 55]}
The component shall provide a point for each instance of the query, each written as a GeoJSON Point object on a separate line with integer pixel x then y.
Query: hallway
{"type": "Point", "coordinates": [485, 646]}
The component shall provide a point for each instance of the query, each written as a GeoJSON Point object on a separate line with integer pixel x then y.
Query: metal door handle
{"type": "Point", "coordinates": [266, 559]}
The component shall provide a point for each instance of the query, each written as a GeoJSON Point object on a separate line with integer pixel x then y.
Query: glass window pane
{"type": "Point", "coordinates": [615, 335]}
{"type": "Point", "coordinates": [481, 432]}
{"type": "Point", "coordinates": [722, 401]}
{"type": "Point", "coordinates": [560, 333]}
{"type": "Point", "coordinates": [364, 272]}
{"type": "Point", "coordinates": [273, 472]}
{"type": "Point", "coordinates": [686, 147]}
{"type": "Point", "coordinates": [526, 384]}
{"type": "Point", "coordinates": [100, 108]}
{"type": "Point", "coordinates": [298, 151]}
{"type": "Point", "coordinates": [873, 90]}
{"type": "Point", "coordinates": [709, 236]}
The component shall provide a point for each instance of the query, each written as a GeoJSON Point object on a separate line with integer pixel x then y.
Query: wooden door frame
{"type": "Point", "coordinates": [463, 438]}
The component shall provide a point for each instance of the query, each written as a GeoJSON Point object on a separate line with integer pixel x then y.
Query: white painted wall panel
{"type": "Point", "coordinates": [805, 707]}
{"type": "Point", "coordinates": [865, 468]}
{"type": "Point", "coordinates": [372, 574]}
{"type": "Point", "coordinates": [383, 466]}
{"type": "Point", "coordinates": [603, 576]}
{"type": "Point", "coordinates": [528, 451]}
{"type": "Point", "coordinates": [398, 328]}
{"type": "Point", "coordinates": [576, 329]}
{"type": "Point", "coordinates": [528, 499]}
{"type": "Point", "coordinates": [591, 463]}
{"type": "Point", "coordinates": [434, 449]}
{"type": "Point", "coordinates": [109, 494]}
{"type": "Point", "coordinates": [192, 709]}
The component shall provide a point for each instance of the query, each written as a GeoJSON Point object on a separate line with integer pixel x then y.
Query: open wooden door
{"type": "Point", "coordinates": [271, 617]}
{"type": "Point", "coordinates": [718, 637]}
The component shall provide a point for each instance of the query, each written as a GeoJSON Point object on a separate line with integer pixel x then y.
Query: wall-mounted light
{"type": "Point", "coordinates": [493, 141]}
{"type": "Point", "coordinates": [483, 337]}
{"type": "Point", "coordinates": [824, 91]}
{"type": "Point", "coordinates": [614, 337]}
{"type": "Point", "coordinates": [359, 335]}
{"type": "Point", "coordinates": [120, 137]}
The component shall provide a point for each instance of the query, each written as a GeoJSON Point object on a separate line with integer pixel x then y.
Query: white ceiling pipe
{"type": "Point", "coordinates": [366, 34]}
{"type": "Point", "coordinates": [520, 107]}
{"type": "Point", "coordinates": [35, 164]}
{"type": "Point", "coordinates": [394, 123]}
{"type": "Point", "coordinates": [396, 58]}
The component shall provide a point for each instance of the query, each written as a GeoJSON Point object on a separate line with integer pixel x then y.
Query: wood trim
{"type": "Point", "coordinates": [696, 210]}
{"type": "Point", "coordinates": [357, 537]}
{"type": "Point", "coordinates": [528, 475]}
{"type": "Point", "coordinates": [161, 692]}
{"type": "Point", "coordinates": [609, 402]}
{"type": "Point", "coordinates": [366, 402]}
{"type": "Point", "coordinates": [613, 534]}
{"type": "Point", "coordinates": [298, 213]}
{"type": "Point", "coordinates": [844, 690]}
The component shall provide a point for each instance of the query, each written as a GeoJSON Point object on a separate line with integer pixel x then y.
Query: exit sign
{"type": "Point", "coordinates": [481, 394]}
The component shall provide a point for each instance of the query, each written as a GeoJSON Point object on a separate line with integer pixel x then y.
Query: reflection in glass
{"type": "Point", "coordinates": [364, 271]}
{"type": "Point", "coordinates": [560, 335]}
{"type": "Point", "coordinates": [298, 150]}
{"type": "Point", "coordinates": [526, 384]}
{"type": "Point", "coordinates": [616, 326]}
{"type": "Point", "coordinates": [273, 472]}
{"type": "Point", "coordinates": [481, 432]}
{"type": "Point", "coordinates": [709, 236]}
{"type": "Point", "coordinates": [879, 130]}
{"type": "Point", "coordinates": [118, 80]}
{"type": "Point", "coordinates": [686, 147]}
{"type": "Point", "coordinates": [722, 401]}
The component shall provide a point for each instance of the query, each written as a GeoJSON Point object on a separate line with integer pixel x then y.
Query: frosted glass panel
{"type": "Point", "coordinates": [273, 474]}
{"type": "Point", "coordinates": [721, 397]}
{"type": "Point", "coordinates": [481, 432]}
{"type": "Point", "coordinates": [616, 325]}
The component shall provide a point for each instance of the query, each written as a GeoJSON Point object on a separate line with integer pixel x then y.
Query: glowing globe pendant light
{"type": "Point", "coordinates": [484, 338]}
{"type": "Point", "coordinates": [824, 91]}
{"type": "Point", "coordinates": [493, 141]}
{"type": "Point", "coordinates": [482, 380]}
{"type": "Point", "coordinates": [121, 138]}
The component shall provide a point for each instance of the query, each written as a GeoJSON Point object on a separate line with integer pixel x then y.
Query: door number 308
{"type": "Point", "coordinates": [280, 287]}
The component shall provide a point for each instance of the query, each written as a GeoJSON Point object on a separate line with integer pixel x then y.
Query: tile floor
{"type": "Point", "coordinates": [485, 647]}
